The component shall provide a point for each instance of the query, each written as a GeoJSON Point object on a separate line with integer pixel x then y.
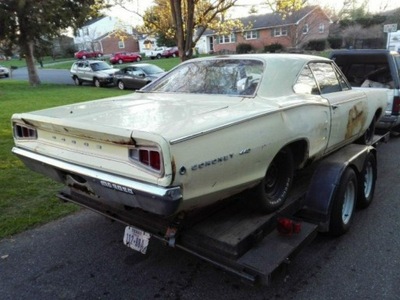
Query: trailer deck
{"type": "Point", "coordinates": [235, 235]}
{"type": "Point", "coordinates": [232, 235]}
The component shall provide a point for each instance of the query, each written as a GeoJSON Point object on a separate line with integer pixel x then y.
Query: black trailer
{"type": "Point", "coordinates": [238, 238]}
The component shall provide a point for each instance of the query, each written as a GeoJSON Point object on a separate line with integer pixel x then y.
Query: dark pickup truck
{"type": "Point", "coordinates": [378, 68]}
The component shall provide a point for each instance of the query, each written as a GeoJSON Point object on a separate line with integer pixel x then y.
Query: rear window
{"type": "Point", "coordinates": [236, 77]}
{"type": "Point", "coordinates": [366, 70]}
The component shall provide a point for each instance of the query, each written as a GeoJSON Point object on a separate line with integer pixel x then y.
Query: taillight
{"type": "Point", "coordinates": [24, 132]}
{"type": "Point", "coordinates": [147, 157]}
{"type": "Point", "coordinates": [396, 105]}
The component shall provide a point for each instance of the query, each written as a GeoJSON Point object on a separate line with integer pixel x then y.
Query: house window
{"type": "Point", "coordinates": [226, 39]}
{"type": "Point", "coordinates": [280, 31]}
{"type": "Point", "coordinates": [321, 28]}
{"type": "Point", "coordinates": [121, 45]}
{"type": "Point", "coordinates": [251, 35]}
{"type": "Point", "coordinates": [305, 29]}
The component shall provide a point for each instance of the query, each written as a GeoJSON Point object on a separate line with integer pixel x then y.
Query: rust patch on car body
{"type": "Point", "coordinates": [356, 120]}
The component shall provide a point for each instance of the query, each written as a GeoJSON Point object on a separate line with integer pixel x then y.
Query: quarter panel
{"type": "Point", "coordinates": [222, 163]}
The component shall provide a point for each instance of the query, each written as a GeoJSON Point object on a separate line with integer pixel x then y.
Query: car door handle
{"type": "Point", "coordinates": [335, 106]}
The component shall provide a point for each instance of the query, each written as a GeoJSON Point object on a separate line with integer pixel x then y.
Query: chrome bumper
{"type": "Point", "coordinates": [104, 187]}
{"type": "Point", "coordinates": [388, 121]}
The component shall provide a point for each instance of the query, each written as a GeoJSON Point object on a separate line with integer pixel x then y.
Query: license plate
{"type": "Point", "coordinates": [136, 239]}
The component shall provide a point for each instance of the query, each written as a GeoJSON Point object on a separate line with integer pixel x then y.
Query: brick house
{"type": "Point", "coordinates": [294, 31]}
{"type": "Point", "coordinates": [115, 42]}
{"type": "Point", "coordinates": [100, 32]}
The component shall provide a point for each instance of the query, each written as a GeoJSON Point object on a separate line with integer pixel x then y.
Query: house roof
{"type": "Point", "coordinates": [275, 19]}
{"type": "Point", "coordinates": [102, 37]}
{"type": "Point", "coordinates": [92, 21]}
{"type": "Point", "coordinates": [271, 20]}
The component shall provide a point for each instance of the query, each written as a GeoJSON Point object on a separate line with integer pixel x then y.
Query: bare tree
{"type": "Point", "coordinates": [180, 19]}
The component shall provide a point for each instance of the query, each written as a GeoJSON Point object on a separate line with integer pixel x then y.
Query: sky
{"type": "Point", "coordinates": [373, 6]}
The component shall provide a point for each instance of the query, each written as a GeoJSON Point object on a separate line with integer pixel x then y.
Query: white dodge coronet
{"type": "Point", "coordinates": [207, 130]}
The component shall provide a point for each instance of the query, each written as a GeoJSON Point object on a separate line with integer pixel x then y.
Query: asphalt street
{"type": "Point", "coordinates": [82, 257]}
{"type": "Point", "coordinates": [45, 75]}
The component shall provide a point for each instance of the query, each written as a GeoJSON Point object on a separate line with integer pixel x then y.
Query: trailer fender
{"type": "Point", "coordinates": [324, 182]}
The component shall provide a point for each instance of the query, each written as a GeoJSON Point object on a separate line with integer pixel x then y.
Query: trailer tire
{"type": "Point", "coordinates": [344, 202]}
{"type": "Point", "coordinates": [367, 181]}
{"type": "Point", "coordinates": [273, 190]}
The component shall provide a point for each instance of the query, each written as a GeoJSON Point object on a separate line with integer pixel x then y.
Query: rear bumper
{"type": "Point", "coordinates": [106, 80]}
{"type": "Point", "coordinates": [388, 121]}
{"type": "Point", "coordinates": [105, 187]}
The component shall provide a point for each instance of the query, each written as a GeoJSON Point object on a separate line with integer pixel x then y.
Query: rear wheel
{"type": "Point", "coordinates": [158, 56]}
{"type": "Point", "coordinates": [77, 81]}
{"type": "Point", "coordinates": [273, 190]}
{"type": "Point", "coordinates": [343, 203]}
{"type": "Point", "coordinates": [367, 182]}
{"type": "Point", "coordinates": [138, 59]}
{"type": "Point", "coordinates": [96, 82]}
{"type": "Point", "coordinates": [121, 85]}
{"type": "Point", "coordinates": [120, 61]}
{"type": "Point", "coordinates": [368, 135]}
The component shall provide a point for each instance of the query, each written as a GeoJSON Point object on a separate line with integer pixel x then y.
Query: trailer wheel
{"type": "Point", "coordinates": [367, 182]}
{"type": "Point", "coordinates": [273, 190]}
{"type": "Point", "coordinates": [343, 203]}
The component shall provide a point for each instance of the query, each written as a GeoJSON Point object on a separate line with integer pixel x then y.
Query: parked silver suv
{"type": "Point", "coordinates": [95, 71]}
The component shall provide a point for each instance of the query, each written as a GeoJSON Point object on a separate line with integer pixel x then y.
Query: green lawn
{"type": "Point", "coordinates": [28, 199]}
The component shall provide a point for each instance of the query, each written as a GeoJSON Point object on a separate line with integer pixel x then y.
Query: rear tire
{"type": "Point", "coordinates": [343, 203]}
{"type": "Point", "coordinates": [273, 190]}
{"type": "Point", "coordinates": [368, 135]}
{"type": "Point", "coordinates": [367, 182]}
{"type": "Point", "coordinates": [121, 85]}
{"type": "Point", "coordinates": [77, 81]}
{"type": "Point", "coordinates": [96, 82]}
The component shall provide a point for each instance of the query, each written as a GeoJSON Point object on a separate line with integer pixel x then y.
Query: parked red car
{"type": "Point", "coordinates": [83, 54]}
{"type": "Point", "coordinates": [170, 52]}
{"type": "Point", "coordinates": [123, 57]}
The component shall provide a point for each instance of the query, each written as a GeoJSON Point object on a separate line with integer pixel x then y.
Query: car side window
{"type": "Point", "coordinates": [306, 83]}
{"type": "Point", "coordinates": [95, 67]}
{"type": "Point", "coordinates": [137, 72]}
{"type": "Point", "coordinates": [326, 77]}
